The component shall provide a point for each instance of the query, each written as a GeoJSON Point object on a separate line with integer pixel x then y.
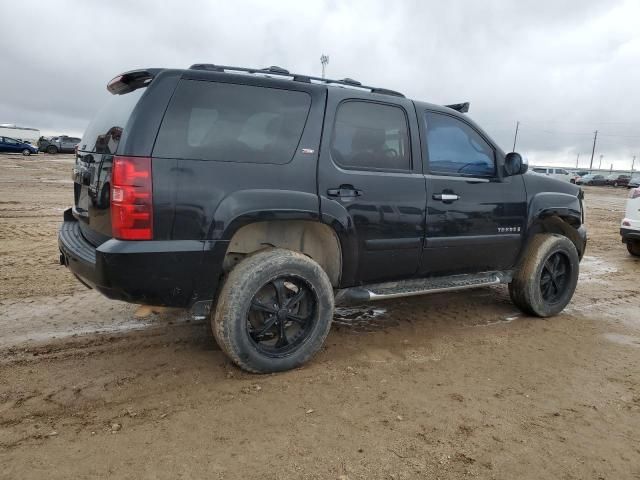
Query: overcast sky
{"type": "Point", "coordinates": [563, 68]}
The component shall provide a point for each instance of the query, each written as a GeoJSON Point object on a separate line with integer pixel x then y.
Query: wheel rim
{"type": "Point", "coordinates": [555, 277]}
{"type": "Point", "coordinates": [282, 315]}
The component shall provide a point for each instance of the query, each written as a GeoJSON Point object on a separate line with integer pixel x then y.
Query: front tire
{"type": "Point", "coordinates": [633, 246]}
{"type": "Point", "coordinates": [26, 152]}
{"type": "Point", "coordinates": [274, 311]}
{"type": "Point", "coordinates": [546, 278]}
{"type": "Point", "coordinates": [52, 149]}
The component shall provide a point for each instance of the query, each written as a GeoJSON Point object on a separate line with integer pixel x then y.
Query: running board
{"type": "Point", "coordinates": [419, 286]}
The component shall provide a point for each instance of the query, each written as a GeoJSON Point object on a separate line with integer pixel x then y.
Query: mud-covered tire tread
{"type": "Point", "coordinates": [633, 247]}
{"type": "Point", "coordinates": [234, 299]}
{"type": "Point", "coordinates": [524, 288]}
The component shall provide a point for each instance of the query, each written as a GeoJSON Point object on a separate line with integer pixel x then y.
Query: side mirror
{"type": "Point", "coordinates": [514, 165]}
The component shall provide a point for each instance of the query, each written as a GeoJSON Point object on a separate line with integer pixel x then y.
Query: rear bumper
{"type": "Point", "coordinates": [176, 273]}
{"type": "Point", "coordinates": [629, 234]}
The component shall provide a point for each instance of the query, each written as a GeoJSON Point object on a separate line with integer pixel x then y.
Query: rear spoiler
{"type": "Point", "coordinates": [130, 81]}
{"type": "Point", "coordinates": [459, 107]}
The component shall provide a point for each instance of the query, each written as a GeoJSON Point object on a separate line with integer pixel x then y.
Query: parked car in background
{"type": "Point", "coordinates": [618, 179]}
{"type": "Point", "coordinates": [592, 179]}
{"type": "Point", "coordinates": [576, 174]}
{"type": "Point", "coordinates": [11, 145]}
{"type": "Point", "coordinates": [630, 227]}
{"type": "Point", "coordinates": [559, 173]}
{"type": "Point", "coordinates": [61, 144]}
{"type": "Point", "coordinates": [634, 182]}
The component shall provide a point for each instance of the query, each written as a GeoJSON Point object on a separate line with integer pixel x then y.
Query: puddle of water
{"type": "Point", "coordinates": [364, 318]}
{"type": "Point", "coordinates": [47, 318]}
{"type": "Point", "coordinates": [501, 321]}
{"type": "Point", "coordinates": [621, 339]}
{"type": "Point", "coordinates": [591, 267]}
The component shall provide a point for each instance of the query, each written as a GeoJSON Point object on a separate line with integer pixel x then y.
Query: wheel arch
{"type": "Point", "coordinates": [310, 237]}
{"type": "Point", "coordinates": [559, 223]}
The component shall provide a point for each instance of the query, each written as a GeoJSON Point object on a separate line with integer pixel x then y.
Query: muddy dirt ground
{"type": "Point", "coordinates": [443, 386]}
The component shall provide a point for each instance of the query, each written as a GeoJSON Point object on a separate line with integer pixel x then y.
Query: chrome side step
{"type": "Point", "coordinates": [419, 286]}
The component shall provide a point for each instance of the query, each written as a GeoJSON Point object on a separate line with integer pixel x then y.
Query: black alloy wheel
{"type": "Point", "coordinates": [554, 277]}
{"type": "Point", "coordinates": [281, 315]}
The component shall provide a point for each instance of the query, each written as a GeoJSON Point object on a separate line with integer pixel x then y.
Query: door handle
{"type": "Point", "coordinates": [344, 191]}
{"type": "Point", "coordinates": [446, 197]}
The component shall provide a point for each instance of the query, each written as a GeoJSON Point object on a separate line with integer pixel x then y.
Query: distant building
{"type": "Point", "coordinates": [25, 134]}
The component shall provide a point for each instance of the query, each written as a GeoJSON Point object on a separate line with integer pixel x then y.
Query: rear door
{"type": "Point", "coordinates": [370, 181]}
{"type": "Point", "coordinates": [475, 216]}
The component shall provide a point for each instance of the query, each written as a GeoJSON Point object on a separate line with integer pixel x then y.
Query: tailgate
{"type": "Point", "coordinates": [94, 161]}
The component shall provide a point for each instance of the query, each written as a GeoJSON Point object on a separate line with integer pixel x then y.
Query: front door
{"type": "Point", "coordinates": [475, 215]}
{"type": "Point", "coordinates": [370, 180]}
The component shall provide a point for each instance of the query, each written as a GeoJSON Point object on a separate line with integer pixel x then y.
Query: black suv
{"type": "Point", "coordinates": [261, 198]}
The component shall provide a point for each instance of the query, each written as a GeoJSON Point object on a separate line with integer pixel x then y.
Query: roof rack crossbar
{"type": "Point", "coordinates": [279, 71]}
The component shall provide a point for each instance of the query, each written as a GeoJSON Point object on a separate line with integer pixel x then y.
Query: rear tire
{"type": "Point", "coordinates": [274, 311]}
{"type": "Point", "coordinates": [52, 149]}
{"type": "Point", "coordinates": [615, 184]}
{"type": "Point", "coordinates": [634, 247]}
{"type": "Point", "coordinates": [26, 152]}
{"type": "Point", "coordinates": [546, 278]}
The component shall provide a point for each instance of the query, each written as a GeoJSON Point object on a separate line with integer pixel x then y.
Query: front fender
{"type": "Point", "coordinates": [563, 205]}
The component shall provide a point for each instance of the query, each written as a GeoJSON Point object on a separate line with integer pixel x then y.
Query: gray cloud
{"type": "Point", "coordinates": [563, 68]}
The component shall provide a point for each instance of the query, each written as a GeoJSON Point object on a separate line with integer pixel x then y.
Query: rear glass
{"type": "Point", "coordinates": [104, 132]}
{"type": "Point", "coordinates": [233, 123]}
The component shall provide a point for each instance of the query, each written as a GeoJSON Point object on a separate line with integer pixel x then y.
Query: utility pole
{"type": "Point", "coordinates": [577, 158]}
{"type": "Point", "coordinates": [593, 151]}
{"type": "Point", "coordinates": [515, 137]}
{"type": "Point", "coordinates": [633, 163]}
{"type": "Point", "coordinates": [324, 60]}
{"type": "Point", "coordinates": [600, 164]}
{"type": "Point", "coordinates": [611, 168]}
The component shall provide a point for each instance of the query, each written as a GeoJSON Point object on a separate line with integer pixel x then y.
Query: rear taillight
{"type": "Point", "coordinates": [131, 198]}
{"type": "Point", "coordinates": [634, 193]}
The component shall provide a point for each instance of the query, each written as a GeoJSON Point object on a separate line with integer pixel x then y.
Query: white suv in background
{"type": "Point", "coordinates": [560, 173]}
{"type": "Point", "coordinates": [630, 227]}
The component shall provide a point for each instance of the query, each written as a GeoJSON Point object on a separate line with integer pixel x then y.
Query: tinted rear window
{"type": "Point", "coordinates": [236, 123]}
{"type": "Point", "coordinates": [104, 132]}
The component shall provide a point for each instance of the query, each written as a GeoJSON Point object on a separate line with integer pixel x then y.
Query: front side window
{"type": "Point", "coordinates": [369, 135]}
{"type": "Point", "coordinates": [455, 148]}
{"type": "Point", "coordinates": [232, 123]}
{"type": "Point", "coordinates": [10, 141]}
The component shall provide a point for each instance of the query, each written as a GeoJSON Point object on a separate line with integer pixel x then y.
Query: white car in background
{"type": "Point", "coordinates": [559, 173]}
{"type": "Point", "coordinates": [630, 227]}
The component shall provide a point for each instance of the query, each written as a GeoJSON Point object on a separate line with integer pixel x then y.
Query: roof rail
{"type": "Point", "coordinates": [275, 70]}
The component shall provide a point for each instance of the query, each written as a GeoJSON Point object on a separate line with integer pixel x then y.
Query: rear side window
{"type": "Point", "coordinates": [104, 132]}
{"type": "Point", "coordinates": [540, 170]}
{"type": "Point", "coordinates": [370, 135]}
{"type": "Point", "coordinates": [457, 149]}
{"type": "Point", "coordinates": [232, 123]}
